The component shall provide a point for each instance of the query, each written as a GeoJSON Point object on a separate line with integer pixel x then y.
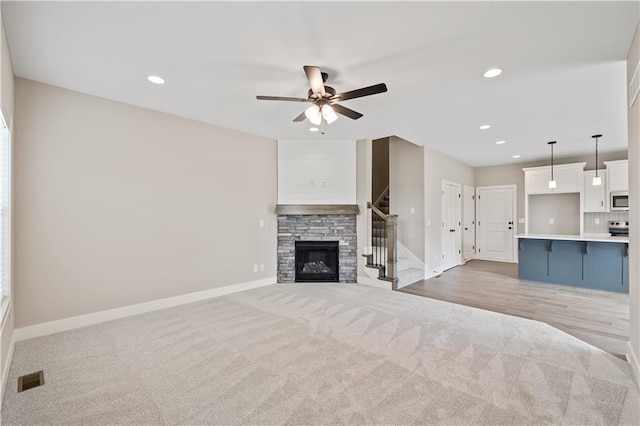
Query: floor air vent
{"type": "Point", "coordinates": [29, 381]}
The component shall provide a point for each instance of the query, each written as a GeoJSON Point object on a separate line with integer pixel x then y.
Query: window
{"type": "Point", "coordinates": [5, 215]}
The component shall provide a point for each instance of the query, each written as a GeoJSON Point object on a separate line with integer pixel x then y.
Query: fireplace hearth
{"type": "Point", "coordinates": [317, 261]}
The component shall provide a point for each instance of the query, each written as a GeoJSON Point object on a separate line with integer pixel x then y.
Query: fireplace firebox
{"type": "Point", "coordinates": [317, 261]}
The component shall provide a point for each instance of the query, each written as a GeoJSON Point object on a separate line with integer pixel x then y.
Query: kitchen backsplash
{"type": "Point", "coordinates": [591, 227]}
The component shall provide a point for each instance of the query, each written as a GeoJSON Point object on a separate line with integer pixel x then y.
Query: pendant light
{"type": "Point", "coordinates": [597, 180]}
{"type": "Point", "coordinates": [552, 183]}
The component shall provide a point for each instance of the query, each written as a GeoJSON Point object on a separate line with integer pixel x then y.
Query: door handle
{"type": "Point", "coordinates": [466, 229]}
{"type": "Point", "coordinates": [510, 223]}
{"type": "Point", "coordinates": [452, 230]}
{"type": "Point", "coordinates": [509, 227]}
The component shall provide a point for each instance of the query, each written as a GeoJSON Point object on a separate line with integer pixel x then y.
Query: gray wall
{"type": "Point", "coordinates": [634, 208]}
{"type": "Point", "coordinates": [380, 161]}
{"type": "Point", "coordinates": [439, 167]}
{"type": "Point", "coordinates": [363, 194]}
{"type": "Point", "coordinates": [564, 209]}
{"type": "Point", "coordinates": [406, 189]}
{"type": "Point", "coordinates": [510, 174]}
{"type": "Point", "coordinates": [117, 205]}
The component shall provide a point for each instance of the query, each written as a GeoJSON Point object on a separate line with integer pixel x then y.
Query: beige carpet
{"type": "Point", "coordinates": [320, 354]}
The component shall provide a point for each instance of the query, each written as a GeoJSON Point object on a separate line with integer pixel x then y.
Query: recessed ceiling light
{"type": "Point", "coordinates": [500, 142]}
{"type": "Point", "coordinates": [515, 156]}
{"type": "Point", "coordinates": [155, 79]}
{"type": "Point", "coordinates": [493, 72]}
{"type": "Point", "coordinates": [313, 129]}
{"type": "Point", "coordinates": [484, 127]}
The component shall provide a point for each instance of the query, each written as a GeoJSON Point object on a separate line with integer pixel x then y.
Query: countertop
{"type": "Point", "coordinates": [604, 238]}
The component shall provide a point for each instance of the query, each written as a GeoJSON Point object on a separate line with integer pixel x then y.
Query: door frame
{"type": "Point", "coordinates": [514, 187]}
{"type": "Point", "coordinates": [475, 214]}
{"type": "Point", "coordinates": [458, 186]}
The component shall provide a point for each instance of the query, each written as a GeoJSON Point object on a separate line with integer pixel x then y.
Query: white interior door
{"type": "Point", "coordinates": [495, 223]}
{"type": "Point", "coordinates": [468, 222]}
{"type": "Point", "coordinates": [451, 225]}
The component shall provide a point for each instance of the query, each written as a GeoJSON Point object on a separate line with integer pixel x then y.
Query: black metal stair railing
{"type": "Point", "coordinates": [383, 253]}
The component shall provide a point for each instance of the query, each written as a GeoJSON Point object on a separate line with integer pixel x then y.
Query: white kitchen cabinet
{"type": "Point", "coordinates": [568, 177]}
{"type": "Point", "coordinates": [595, 197]}
{"type": "Point", "coordinates": [618, 172]}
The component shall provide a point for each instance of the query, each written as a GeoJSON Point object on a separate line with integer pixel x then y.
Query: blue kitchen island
{"type": "Point", "coordinates": [597, 262]}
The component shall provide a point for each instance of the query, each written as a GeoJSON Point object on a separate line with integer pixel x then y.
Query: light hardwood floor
{"type": "Point", "coordinates": [597, 317]}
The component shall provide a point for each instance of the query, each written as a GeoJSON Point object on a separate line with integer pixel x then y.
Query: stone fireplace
{"type": "Point", "coordinates": [317, 261]}
{"type": "Point", "coordinates": [327, 227]}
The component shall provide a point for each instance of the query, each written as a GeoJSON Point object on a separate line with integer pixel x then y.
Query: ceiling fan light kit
{"type": "Point", "coordinates": [325, 106]}
{"type": "Point", "coordinates": [329, 114]}
{"type": "Point", "coordinates": [313, 114]}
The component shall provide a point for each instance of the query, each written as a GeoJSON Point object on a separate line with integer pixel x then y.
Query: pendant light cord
{"type": "Point", "coordinates": [551, 143]}
{"type": "Point", "coordinates": [596, 157]}
{"type": "Point", "coordinates": [596, 138]}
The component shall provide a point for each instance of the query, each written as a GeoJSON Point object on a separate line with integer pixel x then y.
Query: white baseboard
{"type": "Point", "coordinates": [374, 283]}
{"type": "Point", "coordinates": [7, 365]}
{"type": "Point", "coordinates": [127, 311]}
{"type": "Point", "coordinates": [493, 260]}
{"type": "Point", "coordinates": [432, 274]}
{"type": "Point", "coordinates": [406, 284]}
{"type": "Point", "coordinates": [635, 365]}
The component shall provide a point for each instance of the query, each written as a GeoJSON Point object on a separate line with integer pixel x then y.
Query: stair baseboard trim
{"type": "Point", "coordinates": [411, 255]}
{"type": "Point", "coordinates": [65, 324]}
{"type": "Point", "coordinates": [632, 357]}
{"type": "Point", "coordinates": [374, 283]}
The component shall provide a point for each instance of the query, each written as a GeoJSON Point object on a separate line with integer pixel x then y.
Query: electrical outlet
{"type": "Point", "coordinates": [255, 268]}
{"type": "Point", "coordinates": [551, 221]}
{"type": "Point", "coordinates": [262, 267]}
{"type": "Point", "coordinates": [261, 222]}
{"type": "Point", "coordinates": [428, 222]}
{"type": "Point", "coordinates": [521, 220]}
{"type": "Point", "coordinates": [413, 210]}
{"type": "Point", "coordinates": [596, 221]}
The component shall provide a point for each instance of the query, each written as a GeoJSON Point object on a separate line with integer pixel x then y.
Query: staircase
{"type": "Point", "coordinates": [378, 224]}
{"type": "Point", "coordinates": [391, 261]}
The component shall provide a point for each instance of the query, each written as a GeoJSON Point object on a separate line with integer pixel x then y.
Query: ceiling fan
{"type": "Point", "coordinates": [324, 98]}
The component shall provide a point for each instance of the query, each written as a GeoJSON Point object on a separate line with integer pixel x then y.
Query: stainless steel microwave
{"type": "Point", "coordinates": [619, 200]}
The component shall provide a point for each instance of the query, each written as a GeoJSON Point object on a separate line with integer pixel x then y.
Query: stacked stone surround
{"type": "Point", "coordinates": [326, 227]}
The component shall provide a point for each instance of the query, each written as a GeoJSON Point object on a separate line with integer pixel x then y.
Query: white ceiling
{"type": "Point", "coordinates": [564, 66]}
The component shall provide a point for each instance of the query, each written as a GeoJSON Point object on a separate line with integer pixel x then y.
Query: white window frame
{"type": "Point", "coordinates": [5, 219]}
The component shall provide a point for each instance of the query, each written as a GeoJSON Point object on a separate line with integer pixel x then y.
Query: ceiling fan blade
{"type": "Point", "coordinates": [346, 111]}
{"type": "Point", "coordinates": [365, 91]}
{"type": "Point", "coordinates": [301, 117]}
{"type": "Point", "coordinates": [315, 79]}
{"type": "Point", "coordinates": [281, 98]}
